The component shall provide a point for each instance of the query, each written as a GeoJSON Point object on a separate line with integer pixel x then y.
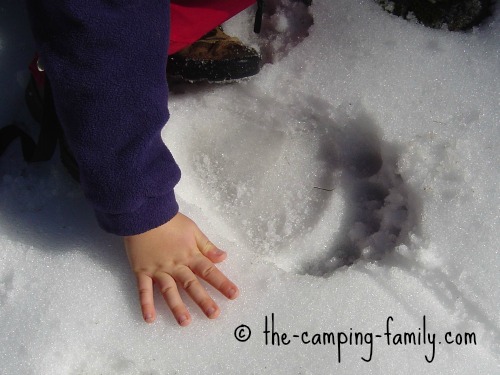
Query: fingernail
{"type": "Point", "coordinates": [219, 252]}
{"type": "Point", "coordinates": [183, 319]}
{"type": "Point", "coordinates": [210, 311]}
{"type": "Point", "coordinates": [148, 318]}
{"type": "Point", "coordinates": [232, 293]}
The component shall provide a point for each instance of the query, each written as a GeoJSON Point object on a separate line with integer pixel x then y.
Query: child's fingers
{"type": "Point", "coordinates": [168, 288]}
{"type": "Point", "coordinates": [208, 249]}
{"type": "Point", "coordinates": [210, 273]}
{"type": "Point", "coordinates": [196, 291]}
{"type": "Point", "coordinates": [145, 287]}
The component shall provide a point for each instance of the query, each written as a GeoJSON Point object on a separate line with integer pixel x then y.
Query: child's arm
{"type": "Point", "coordinates": [177, 253]}
{"type": "Point", "coordinates": [106, 61]}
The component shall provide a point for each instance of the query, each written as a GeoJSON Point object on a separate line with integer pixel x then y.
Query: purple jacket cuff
{"type": "Point", "coordinates": [154, 212]}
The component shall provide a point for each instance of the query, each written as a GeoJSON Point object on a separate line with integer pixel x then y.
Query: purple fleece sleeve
{"type": "Point", "coordinates": [106, 61]}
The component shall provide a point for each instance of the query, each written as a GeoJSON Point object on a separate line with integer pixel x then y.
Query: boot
{"type": "Point", "coordinates": [216, 57]}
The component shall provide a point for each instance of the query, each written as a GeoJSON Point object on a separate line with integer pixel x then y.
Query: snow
{"type": "Point", "coordinates": [353, 180]}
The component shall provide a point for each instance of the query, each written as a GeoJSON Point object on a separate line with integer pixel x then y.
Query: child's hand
{"type": "Point", "coordinates": [175, 254]}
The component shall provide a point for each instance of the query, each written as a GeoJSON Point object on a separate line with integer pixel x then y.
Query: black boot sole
{"type": "Point", "coordinates": [212, 71]}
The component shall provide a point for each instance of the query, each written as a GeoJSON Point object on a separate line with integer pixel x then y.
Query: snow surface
{"type": "Point", "coordinates": [356, 178]}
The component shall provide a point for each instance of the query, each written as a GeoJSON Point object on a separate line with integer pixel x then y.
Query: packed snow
{"type": "Point", "coordinates": [354, 183]}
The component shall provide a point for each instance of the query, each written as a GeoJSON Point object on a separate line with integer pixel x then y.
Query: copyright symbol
{"type": "Point", "coordinates": [242, 333]}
